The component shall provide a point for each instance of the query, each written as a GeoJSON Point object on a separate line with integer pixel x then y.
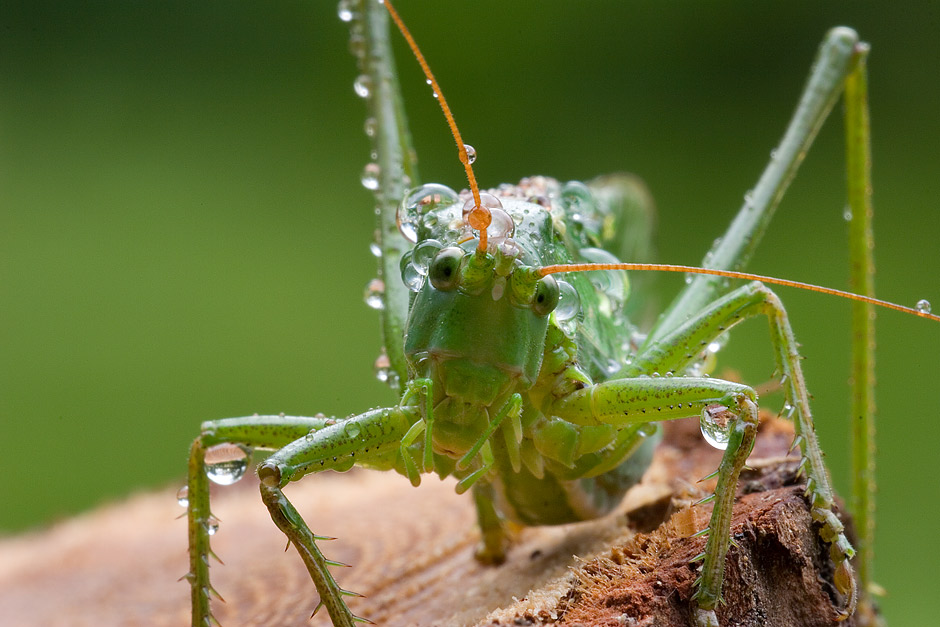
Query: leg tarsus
{"type": "Point", "coordinates": [290, 522]}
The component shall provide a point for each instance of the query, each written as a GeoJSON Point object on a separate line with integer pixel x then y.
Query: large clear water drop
{"type": "Point", "coordinates": [418, 203]}
{"type": "Point", "coordinates": [923, 306]}
{"type": "Point", "coordinates": [716, 426]}
{"type": "Point", "coordinates": [226, 463]}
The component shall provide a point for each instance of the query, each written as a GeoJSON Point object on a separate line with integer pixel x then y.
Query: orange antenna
{"type": "Point", "coordinates": [922, 310]}
{"type": "Point", "coordinates": [479, 216]}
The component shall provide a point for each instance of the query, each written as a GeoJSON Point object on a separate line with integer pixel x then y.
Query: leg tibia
{"type": "Point", "coordinates": [305, 445]}
{"type": "Point", "coordinates": [740, 442]}
{"type": "Point", "coordinates": [290, 522]}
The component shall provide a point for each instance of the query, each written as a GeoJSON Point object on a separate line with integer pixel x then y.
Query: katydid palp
{"type": "Point", "coordinates": [544, 411]}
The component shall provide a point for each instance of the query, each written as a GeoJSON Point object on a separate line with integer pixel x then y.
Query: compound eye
{"type": "Point", "coordinates": [444, 271]}
{"type": "Point", "coordinates": [546, 296]}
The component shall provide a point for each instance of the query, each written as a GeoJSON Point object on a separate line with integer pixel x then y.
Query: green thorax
{"type": "Point", "coordinates": [483, 340]}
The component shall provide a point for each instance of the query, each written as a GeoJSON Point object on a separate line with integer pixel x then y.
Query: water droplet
{"type": "Point", "coordinates": [383, 367]}
{"type": "Point", "coordinates": [714, 347]}
{"type": "Point", "coordinates": [847, 214]}
{"type": "Point", "coordinates": [212, 525]}
{"type": "Point", "coordinates": [344, 10]}
{"type": "Point", "coordinates": [612, 367]}
{"type": "Point", "coordinates": [488, 201]}
{"type": "Point", "coordinates": [363, 86]}
{"type": "Point", "coordinates": [370, 127]}
{"type": "Point", "coordinates": [418, 203]}
{"type": "Point", "coordinates": [352, 429]}
{"type": "Point", "coordinates": [375, 290]}
{"type": "Point", "coordinates": [749, 197]}
{"type": "Point", "coordinates": [773, 153]}
{"type": "Point", "coordinates": [375, 249]}
{"type": "Point", "coordinates": [424, 253]}
{"type": "Point", "coordinates": [569, 302]}
{"type": "Point", "coordinates": [226, 463]}
{"type": "Point", "coordinates": [923, 306]}
{"type": "Point", "coordinates": [499, 287]}
{"type": "Point", "coordinates": [411, 277]}
{"type": "Point", "coordinates": [182, 496]}
{"type": "Point", "coordinates": [471, 153]}
{"type": "Point", "coordinates": [715, 424]}
{"type": "Point", "coordinates": [370, 176]}
{"type": "Point", "coordinates": [501, 226]}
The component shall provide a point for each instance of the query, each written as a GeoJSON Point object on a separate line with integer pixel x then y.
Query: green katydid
{"type": "Point", "coordinates": [535, 393]}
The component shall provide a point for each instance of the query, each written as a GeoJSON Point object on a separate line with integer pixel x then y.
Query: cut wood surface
{"type": "Point", "coordinates": [412, 555]}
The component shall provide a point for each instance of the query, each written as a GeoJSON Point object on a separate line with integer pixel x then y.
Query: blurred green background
{"type": "Point", "coordinates": [183, 235]}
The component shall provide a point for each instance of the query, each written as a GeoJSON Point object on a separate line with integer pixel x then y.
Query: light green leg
{"type": "Point", "coordinates": [861, 281]}
{"type": "Point", "coordinates": [257, 431]}
{"type": "Point", "coordinates": [740, 442]}
{"type": "Point", "coordinates": [626, 401]}
{"type": "Point", "coordinates": [305, 445]}
{"type": "Point", "coordinates": [837, 57]}
{"type": "Point", "coordinates": [395, 157]}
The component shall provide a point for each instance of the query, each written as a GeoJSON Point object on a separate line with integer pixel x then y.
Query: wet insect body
{"type": "Point", "coordinates": [536, 393]}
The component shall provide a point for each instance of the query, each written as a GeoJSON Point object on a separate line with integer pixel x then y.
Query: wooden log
{"type": "Point", "coordinates": [411, 551]}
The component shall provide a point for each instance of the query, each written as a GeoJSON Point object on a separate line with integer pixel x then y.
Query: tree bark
{"type": "Point", "coordinates": [411, 551]}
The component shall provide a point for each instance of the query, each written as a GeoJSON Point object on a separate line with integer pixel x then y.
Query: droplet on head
{"type": "Point", "coordinates": [410, 276]}
{"type": "Point", "coordinates": [715, 424]}
{"type": "Point", "coordinates": [471, 153]}
{"type": "Point", "coordinates": [418, 203]}
{"type": "Point", "coordinates": [363, 86]}
{"type": "Point", "coordinates": [501, 226]}
{"type": "Point", "coordinates": [923, 306]}
{"type": "Point", "coordinates": [569, 302]}
{"type": "Point", "coordinates": [424, 253]}
{"type": "Point", "coordinates": [375, 290]}
{"type": "Point", "coordinates": [370, 176]}
{"type": "Point", "coordinates": [226, 463]}
{"type": "Point", "coordinates": [479, 217]}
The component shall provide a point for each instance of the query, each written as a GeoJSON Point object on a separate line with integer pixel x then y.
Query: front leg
{"type": "Point", "coordinates": [306, 445]}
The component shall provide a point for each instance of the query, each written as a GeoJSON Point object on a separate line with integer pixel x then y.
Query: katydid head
{"type": "Point", "coordinates": [478, 320]}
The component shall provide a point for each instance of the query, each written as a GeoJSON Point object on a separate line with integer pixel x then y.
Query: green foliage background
{"type": "Point", "coordinates": [183, 237]}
